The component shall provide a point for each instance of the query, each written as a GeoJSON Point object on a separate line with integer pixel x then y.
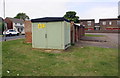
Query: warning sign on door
{"type": "Point", "coordinates": [41, 26]}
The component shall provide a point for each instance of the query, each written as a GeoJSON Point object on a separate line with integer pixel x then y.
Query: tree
{"type": "Point", "coordinates": [2, 26]}
{"type": "Point", "coordinates": [22, 16]}
{"type": "Point", "coordinates": [71, 15]}
{"type": "Point", "coordinates": [119, 16]}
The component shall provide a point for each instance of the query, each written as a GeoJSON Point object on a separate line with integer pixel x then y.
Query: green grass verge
{"type": "Point", "coordinates": [0, 59]}
{"type": "Point", "coordinates": [90, 35]}
{"type": "Point", "coordinates": [20, 59]}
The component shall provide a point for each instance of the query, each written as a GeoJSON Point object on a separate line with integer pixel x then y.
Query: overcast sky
{"type": "Point", "coordinates": [86, 9]}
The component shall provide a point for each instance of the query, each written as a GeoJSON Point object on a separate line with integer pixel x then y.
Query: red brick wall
{"type": "Point", "coordinates": [85, 22]}
{"type": "Point", "coordinates": [28, 32]}
{"type": "Point", "coordinates": [107, 26]}
{"type": "Point", "coordinates": [82, 32]}
{"type": "Point", "coordinates": [9, 23]}
{"type": "Point", "coordinates": [72, 32]}
{"type": "Point", "coordinates": [79, 33]}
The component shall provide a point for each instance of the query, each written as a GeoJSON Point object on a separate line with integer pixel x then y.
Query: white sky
{"type": "Point", "coordinates": [86, 9]}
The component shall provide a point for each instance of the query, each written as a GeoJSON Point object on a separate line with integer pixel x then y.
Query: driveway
{"type": "Point", "coordinates": [12, 37]}
{"type": "Point", "coordinates": [110, 40]}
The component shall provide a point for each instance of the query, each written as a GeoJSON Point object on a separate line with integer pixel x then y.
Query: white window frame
{"type": "Point", "coordinates": [104, 22]}
{"type": "Point", "coordinates": [89, 23]}
{"type": "Point", "coordinates": [110, 22]}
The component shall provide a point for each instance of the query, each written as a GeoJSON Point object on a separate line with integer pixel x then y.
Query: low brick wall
{"type": "Point", "coordinates": [28, 37]}
{"type": "Point", "coordinates": [103, 31]}
{"type": "Point", "coordinates": [28, 32]}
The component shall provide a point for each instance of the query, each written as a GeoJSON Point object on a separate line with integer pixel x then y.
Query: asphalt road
{"type": "Point", "coordinates": [111, 38]}
{"type": "Point", "coordinates": [12, 37]}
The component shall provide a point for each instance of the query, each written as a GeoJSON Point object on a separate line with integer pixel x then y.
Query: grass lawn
{"type": "Point", "coordinates": [20, 59]}
{"type": "Point", "coordinates": [91, 35]}
{"type": "Point", "coordinates": [0, 59]}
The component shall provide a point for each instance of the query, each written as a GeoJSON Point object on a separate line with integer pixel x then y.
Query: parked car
{"type": "Point", "coordinates": [10, 32]}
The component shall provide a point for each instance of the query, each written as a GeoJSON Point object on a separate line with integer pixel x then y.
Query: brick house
{"type": "Point", "coordinates": [88, 23]}
{"type": "Point", "coordinates": [16, 24]}
{"type": "Point", "coordinates": [109, 24]}
{"type": "Point", "coordinates": [97, 26]}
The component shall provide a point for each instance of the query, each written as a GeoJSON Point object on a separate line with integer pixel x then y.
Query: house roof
{"type": "Point", "coordinates": [49, 19]}
{"type": "Point", "coordinates": [97, 24]}
{"type": "Point", "coordinates": [87, 19]}
{"type": "Point", "coordinates": [79, 25]}
{"type": "Point", "coordinates": [15, 20]}
{"type": "Point", "coordinates": [109, 19]}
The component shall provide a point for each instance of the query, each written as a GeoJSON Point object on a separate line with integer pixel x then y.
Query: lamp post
{"type": "Point", "coordinates": [4, 21]}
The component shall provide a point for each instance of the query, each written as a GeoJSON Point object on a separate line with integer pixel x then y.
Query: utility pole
{"type": "Point", "coordinates": [118, 8]}
{"type": "Point", "coordinates": [4, 21]}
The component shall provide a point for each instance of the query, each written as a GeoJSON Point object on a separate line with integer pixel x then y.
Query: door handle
{"type": "Point", "coordinates": [45, 35]}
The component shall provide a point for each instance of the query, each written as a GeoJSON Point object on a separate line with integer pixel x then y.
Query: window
{"type": "Point", "coordinates": [20, 23]}
{"type": "Point", "coordinates": [21, 29]}
{"type": "Point", "coordinates": [10, 30]}
{"type": "Point", "coordinates": [81, 23]}
{"type": "Point", "coordinates": [110, 22]}
{"type": "Point", "coordinates": [89, 23]}
{"type": "Point", "coordinates": [104, 22]}
{"type": "Point", "coordinates": [118, 23]}
{"type": "Point", "coordinates": [14, 31]}
{"type": "Point", "coordinates": [15, 23]}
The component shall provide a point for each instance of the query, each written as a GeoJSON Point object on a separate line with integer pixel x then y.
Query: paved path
{"type": "Point", "coordinates": [12, 37]}
{"type": "Point", "coordinates": [110, 40]}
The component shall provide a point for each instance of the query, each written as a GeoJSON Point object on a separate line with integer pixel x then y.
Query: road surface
{"type": "Point", "coordinates": [113, 37]}
{"type": "Point", "coordinates": [110, 40]}
{"type": "Point", "coordinates": [12, 37]}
